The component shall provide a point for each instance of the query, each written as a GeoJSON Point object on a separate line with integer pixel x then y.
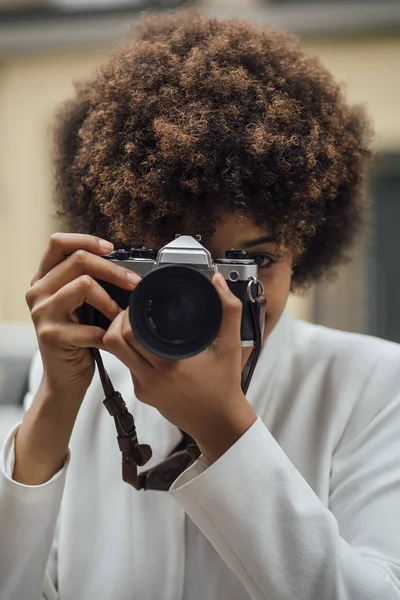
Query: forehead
{"type": "Point", "coordinates": [232, 231]}
{"type": "Point", "coordinates": [235, 231]}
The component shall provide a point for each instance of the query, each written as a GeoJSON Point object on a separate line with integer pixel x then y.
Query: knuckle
{"type": "Point", "coordinates": [30, 297]}
{"type": "Point", "coordinates": [36, 313]}
{"type": "Point", "coordinates": [55, 239]}
{"type": "Point", "coordinates": [80, 256]}
{"type": "Point", "coordinates": [110, 339]}
{"type": "Point", "coordinates": [98, 335]}
{"type": "Point", "coordinates": [85, 282]}
{"type": "Point", "coordinates": [49, 334]}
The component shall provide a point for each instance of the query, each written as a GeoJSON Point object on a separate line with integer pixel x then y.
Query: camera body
{"type": "Point", "coordinates": [175, 311]}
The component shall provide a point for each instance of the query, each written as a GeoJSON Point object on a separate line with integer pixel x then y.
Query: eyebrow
{"type": "Point", "coordinates": [266, 239]}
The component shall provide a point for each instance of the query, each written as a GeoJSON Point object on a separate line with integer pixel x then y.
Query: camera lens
{"type": "Point", "coordinates": [175, 312]}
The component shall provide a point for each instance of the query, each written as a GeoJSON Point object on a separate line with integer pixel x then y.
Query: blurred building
{"type": "Point", "coordinates": [46, 45]}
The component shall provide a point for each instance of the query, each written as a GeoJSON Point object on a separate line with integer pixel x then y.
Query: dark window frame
{"type": "Point", "coordinates": [35, 14]}
{"type": "Point", "coordinates": [383, 272]}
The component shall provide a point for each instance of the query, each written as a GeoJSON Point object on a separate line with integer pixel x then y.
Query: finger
{"type": "Point", "coordinates": [62, 245]}
{"type": "Point", "coordinates": [116, 344]}
{"type": "Point", "coordinates": [69, 298]}
{"type": "Point", "coordinates": [229, 333]}
{"type": "Point", "coordinates": [152, 359]}
{"type": "Point", "coordinates": [80, 263]}
{"type": "Point", "coordinates": [71, 335]}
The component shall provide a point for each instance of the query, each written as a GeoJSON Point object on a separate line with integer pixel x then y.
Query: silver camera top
{"type": "Point", "coordinates": [185, 249]}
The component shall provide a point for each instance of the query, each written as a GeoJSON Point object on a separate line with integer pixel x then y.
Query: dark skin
{"type": "Point", "coordinates": [212, 409]}
{"type": "Point", "coordinates": [275, 274]}
{"type": "Point", "coordinates": [201, 395]}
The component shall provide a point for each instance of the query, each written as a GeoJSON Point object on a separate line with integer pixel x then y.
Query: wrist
{"type": "Point", "coordinates": [222, 433]}
{"type": "Point", "coordinates": [51, 396]}
{"type": "Point", "coordinates": [42, 439]}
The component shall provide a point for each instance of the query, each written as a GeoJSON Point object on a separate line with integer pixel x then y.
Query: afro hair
{"type": "Point", "coordinates": [199, 116]}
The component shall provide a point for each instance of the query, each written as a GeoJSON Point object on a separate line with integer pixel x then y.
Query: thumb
{"type": "Point", "coordinates": [229, 334]}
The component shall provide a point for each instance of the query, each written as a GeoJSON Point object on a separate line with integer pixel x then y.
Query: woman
{"type": "Point", "coordinates": [226, 130]}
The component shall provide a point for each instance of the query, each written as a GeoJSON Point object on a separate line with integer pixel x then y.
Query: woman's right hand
{"type": "Point", "coordinates": [66, 279]}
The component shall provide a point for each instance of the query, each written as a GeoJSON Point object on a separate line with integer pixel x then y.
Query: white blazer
{"type": "Point", "coordinates": [305, 506]}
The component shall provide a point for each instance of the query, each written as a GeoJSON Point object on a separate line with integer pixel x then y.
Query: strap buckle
{"type": "Point", "coordinates": [260, 288]}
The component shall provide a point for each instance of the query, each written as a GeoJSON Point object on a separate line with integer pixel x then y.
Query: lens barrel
{"type": "Point", "coordinates": [175, 312]}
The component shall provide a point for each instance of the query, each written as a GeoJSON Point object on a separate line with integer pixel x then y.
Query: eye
{"type": "Point", "coordinates": [263, 261]}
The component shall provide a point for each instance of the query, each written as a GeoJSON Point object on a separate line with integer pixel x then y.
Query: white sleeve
{"type": "Point", "coordinates": [273, 531]}
{"type": "Point", "coordinates": [28, 519]}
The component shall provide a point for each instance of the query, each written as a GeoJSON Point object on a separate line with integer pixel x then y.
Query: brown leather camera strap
{"type": "Point", "coordinates": [135, 455]}
{"type": "Point", "coordinates": [258, 311]}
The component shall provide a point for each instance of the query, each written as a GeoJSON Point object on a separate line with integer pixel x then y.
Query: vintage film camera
{"type": "Point", "coordinates": [175, 311]}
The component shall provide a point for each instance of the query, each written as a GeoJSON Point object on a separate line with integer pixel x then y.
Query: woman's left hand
{"type": "Point", "coordinates": [201, 395]}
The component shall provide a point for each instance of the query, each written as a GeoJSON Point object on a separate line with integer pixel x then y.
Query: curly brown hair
{"type": "Point", "coordinates": [199, 116]}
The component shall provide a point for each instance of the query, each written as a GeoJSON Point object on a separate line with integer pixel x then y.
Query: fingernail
{"type": "Point", "coordinates": [133, 278]}
{"type": "Point", "coordinates": [106, 246]}
{"type": "Point", "coordinates": [222, 283]}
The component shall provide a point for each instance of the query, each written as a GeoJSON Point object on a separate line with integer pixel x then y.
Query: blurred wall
{"type": "Point", "coordinates": [30, 90]}
{"type": "Point", "coordinates": [31, 87]}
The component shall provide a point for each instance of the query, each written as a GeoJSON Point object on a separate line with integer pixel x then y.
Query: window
{"type": "Point", "coordinates": [384, 252]}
